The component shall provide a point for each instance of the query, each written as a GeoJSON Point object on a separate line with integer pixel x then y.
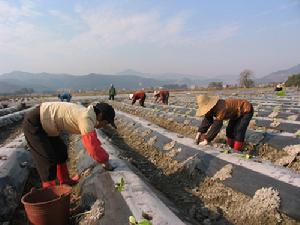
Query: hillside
{"type": "Point", "coordinates": [279, 76]}
{"type": "Point", "coordinates": [51, 82]}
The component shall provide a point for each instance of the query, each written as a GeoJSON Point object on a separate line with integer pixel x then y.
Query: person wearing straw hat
{"type": "Point", "coordinates": [138, 95]}
{"type": "Point", "coordinates": [43, 125]}
{"type": "Point", "coordinates": [279, 87]}
{"type": "Point", "coordinates": [161, 96]}
{"type": "Point", "coordinates": [238, 111]}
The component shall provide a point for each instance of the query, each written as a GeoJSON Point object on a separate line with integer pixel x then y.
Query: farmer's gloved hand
{"type": "Point", "coordinates": [108, 166]}
{"type": "Point", "coordinates": [203, 143]}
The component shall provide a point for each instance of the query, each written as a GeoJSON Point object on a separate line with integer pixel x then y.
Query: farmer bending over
{"type": "Point", "coordinates": [238, 111]}
{"type": "Point", "coordinates": [66, 96]}
{"type": "Point", "coordinates": [139, 95]}
{"type": "Point", "coordinates": [161, 96]}
{"type": "Point", "coordinates": [43, 125]}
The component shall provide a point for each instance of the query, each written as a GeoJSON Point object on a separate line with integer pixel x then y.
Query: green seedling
{"type": "Point", "coordinates": [120, 186]}
{"type": "Point", "coordinates": [133, 221]}
{"type": "Point", "coordinates": [144, 222]}
{"type": "Point", "coordinates": [245, 156]}
{"type": "Point", "coordinates": [248, 156]}
{"type": "Point", "coordinates": [227, 151]}
{"type": "Point", "coordinates": [297, 133]}
{"type": "Point", "coordinates": [280, 93]}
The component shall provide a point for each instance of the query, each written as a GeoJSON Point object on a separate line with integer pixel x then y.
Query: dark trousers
{"type": "Point", "coordinates": [68, 99]}
{"type": "Point", "coordinates": [46, 151]}
{"type": "Point", "coordinates": [166, 99]}
{"type": "Point", "coordinates": [237, 128]}
{"type": "Point", "coordinates": [142, 101]}
{"type": "Point", "coordinates": [111, 97]}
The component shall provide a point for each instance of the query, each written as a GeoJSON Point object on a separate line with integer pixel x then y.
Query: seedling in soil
{"type": "Point", "coordinates": [245, 156]}
{"type": "Point", "coordinates": [144, 222]}
{"type": "Point", "coordinates": [298, 134]}
{"type": "Point", "coordinates": [132, 221]}
{"type": "Point", "coordinates": [280, 93]}
{"type": "Point", "coordinates": [120, 186]}
{"type": "Point", "coordinates": [226, 151]}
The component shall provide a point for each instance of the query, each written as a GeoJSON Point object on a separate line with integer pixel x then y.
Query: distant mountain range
{"type": "Point", "coordinates": [129, 79]}
{"type": "Point", "coordinates": [279, 76]}
{"type": "Point", "coordinates": [178, 78]}
{"type": "Point", "coordinates": [45, 82]}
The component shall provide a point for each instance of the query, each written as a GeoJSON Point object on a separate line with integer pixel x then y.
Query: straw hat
{"type": "Point", "coordinates": [205, 104]}
{"type": "Point", "coordinates": [156, 93]}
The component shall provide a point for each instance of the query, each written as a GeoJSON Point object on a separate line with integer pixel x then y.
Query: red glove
{"type": "Point", "coordinates": [93, 147]}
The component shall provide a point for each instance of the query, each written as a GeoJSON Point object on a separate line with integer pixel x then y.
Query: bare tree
{"type": "Point", "coordinates": [246, 78]}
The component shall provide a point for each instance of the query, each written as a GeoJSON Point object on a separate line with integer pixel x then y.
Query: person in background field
{"type": "Point", "coordinates": [139, 95]}
{"type": "Point", "coordinates": [66, 96]}
{"type": "Point", "coordinates": [112, 92]}
{"type": "Point", "coordinates": [161, 96]}
{"type": "Point", "coordinates": [279, 87]}
{"type": "Point", "coordinates": [43, 125]}
{"type": "Point", "coordinates": [238, 111]}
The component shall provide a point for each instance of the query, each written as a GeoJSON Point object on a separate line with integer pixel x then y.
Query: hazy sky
{"type": "Point", "coordinates": [204, 38]}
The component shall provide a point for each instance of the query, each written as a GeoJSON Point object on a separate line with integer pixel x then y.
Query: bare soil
{"type": "Point", "coordinates": [204, 199]}
{"type": "Point", "coordinates": [9, 133]}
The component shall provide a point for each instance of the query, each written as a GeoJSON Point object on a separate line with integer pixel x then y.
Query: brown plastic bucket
{"type": "Point", "coordinates": [48, 206]}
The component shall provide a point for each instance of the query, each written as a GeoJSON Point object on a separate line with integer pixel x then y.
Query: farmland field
{"type": "Point", "coordinates": [200, 185]}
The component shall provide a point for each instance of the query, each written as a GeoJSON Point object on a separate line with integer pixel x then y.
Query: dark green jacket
{"type": "Point", "coordinates": [112, 91]}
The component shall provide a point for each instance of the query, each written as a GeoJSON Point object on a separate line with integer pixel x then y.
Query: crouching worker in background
{"type": "Point", "coordinates": [43, 125]}
{"type": "Point", "coordinates": [66, 96]}
{"type": "Point", "coordinates": [238, 111]}
{"type": "Point", "coordinates": [161, 96]}
{"type": "Point", "coordinates": [139, 95]}
{"type": "Point", "coordinates": [278, 87]}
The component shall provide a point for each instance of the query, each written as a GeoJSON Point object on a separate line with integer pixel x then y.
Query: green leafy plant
{"type": "Point", "coordinates": [280, 93]}
{"type": "Point", "coordinates": [133, 221]}
{"type": "Point", "coordinates": [226, 151]}
{"type": "Point", "coordinates": [120, 186]}
{"type": "Point", "coordinates": [144, 222]}
{"type": "Point", "coordinates": [245, 156]}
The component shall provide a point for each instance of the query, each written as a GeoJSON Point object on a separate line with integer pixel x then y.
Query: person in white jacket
{"type": "Point", "coordinates": [43, 125]}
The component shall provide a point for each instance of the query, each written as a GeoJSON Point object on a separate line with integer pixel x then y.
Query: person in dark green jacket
{"type": "Point", "coordinates": [112, 92]}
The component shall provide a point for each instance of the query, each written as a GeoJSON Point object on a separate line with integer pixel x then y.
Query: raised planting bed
{"type": "Point", "coordinates": [12, 109]}
{"type": "Point", "coordinates": [135, 197]}
{"type": "Point", "coordinates": [13, 117]}
{"type": "Point", "coordinates": [188, 126]}
{"type": "Point", "coordinates": [15, 166]}
{"type": "Point", "coordinates": [277, 123]}
{"type": "Point", "coordinates": [244, 176]}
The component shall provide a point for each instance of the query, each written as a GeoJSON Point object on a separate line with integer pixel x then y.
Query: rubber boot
{"type": "Point", "coordinates": [230, 142]}
{"type": "Point", "coordinates": [238, 145]}
{"type": "Point", "coordinates": [64, 177]}
{"type": "Point", "coordinates": [46, 184]}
